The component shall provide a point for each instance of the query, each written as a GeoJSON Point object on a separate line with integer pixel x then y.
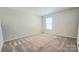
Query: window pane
{"type": "Point", "coordinates": [49, 26]}
{"type": "Point", "coordinates": [48, 20]}
{"type": "Point", "coordinates": [49, 23]}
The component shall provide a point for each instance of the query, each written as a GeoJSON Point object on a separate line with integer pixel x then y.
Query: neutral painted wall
{"type": "Point", "coordinates": [18, 24]}
{"type": "Point", "coordinates": [1, 38]}
{"type": "Point", "coordinates": [78, 38]}
{"type": "Point", "coordinates": [78, 34]}
{"type": "Point", "coordinates": [64, 23]}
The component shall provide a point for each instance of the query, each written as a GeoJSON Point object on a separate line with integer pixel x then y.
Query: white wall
{"type": "Point", "coordinates": [17, 24]}
{"type": "Point", "coordinates": [64, 23]}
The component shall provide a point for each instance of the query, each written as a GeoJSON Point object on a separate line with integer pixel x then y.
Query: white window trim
{"type": "Point", "coordinates": [51, 27]}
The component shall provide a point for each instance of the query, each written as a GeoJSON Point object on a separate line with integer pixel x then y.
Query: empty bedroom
{"type": "Point", "coordinates": [39, 29]}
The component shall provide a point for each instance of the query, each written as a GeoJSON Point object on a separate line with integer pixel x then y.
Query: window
{"type": "Point", "coordinates": [49, 23]}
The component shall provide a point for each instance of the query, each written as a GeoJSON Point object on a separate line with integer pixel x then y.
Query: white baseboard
{"type": "Point", "coordinates": [21, 37]}
{"type": "Point", "coordinates": [37, 34]}
{"type": "Point", "coordinates": [62, 35]}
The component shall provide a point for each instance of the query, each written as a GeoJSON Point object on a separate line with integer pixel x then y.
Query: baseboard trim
{"type": "Point", "coordinates": [21, 37]}
{"type": "Point", "coordinates": [37, 34]}
{"type": "Point", "coordinates": [63, 36]}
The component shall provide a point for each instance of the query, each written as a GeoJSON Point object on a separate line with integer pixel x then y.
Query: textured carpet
{"type": "Point", "coordinates": [41, 43]}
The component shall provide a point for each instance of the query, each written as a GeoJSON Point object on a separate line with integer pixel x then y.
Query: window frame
{"type": "Point", "coordinates": [47, 23]}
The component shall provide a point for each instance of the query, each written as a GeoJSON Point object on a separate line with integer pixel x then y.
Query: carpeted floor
{"type": "Point", "coordinates": [41, 43]}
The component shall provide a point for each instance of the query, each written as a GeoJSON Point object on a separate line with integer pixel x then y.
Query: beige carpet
{"type": "Point", "coordinates": [41, 43]}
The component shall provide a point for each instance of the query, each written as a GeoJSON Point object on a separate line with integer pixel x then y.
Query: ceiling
{"type": "Point", "coordinates": [41, 11]}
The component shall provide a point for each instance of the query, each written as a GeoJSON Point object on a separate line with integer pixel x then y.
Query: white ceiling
{"type": "Point", "coordinates": [41, 11]}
